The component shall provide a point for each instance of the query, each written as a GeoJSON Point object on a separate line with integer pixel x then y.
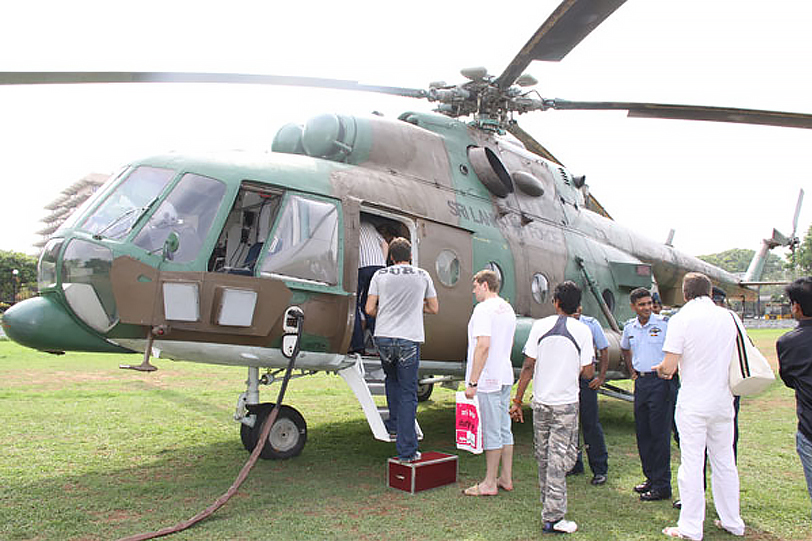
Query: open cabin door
{"type": "Point", "coordinates": [446, 252]}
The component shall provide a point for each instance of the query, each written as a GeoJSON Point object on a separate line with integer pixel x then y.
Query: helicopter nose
{"type": "Point", "coordinates": [43, 323]}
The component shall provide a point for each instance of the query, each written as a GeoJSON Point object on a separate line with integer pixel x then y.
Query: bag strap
{"type": "Point", "coordinates": [744, 365]}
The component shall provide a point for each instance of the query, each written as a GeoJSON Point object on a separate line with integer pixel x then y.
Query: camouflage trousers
{"type": "Point", "coordinates": [555, 434]}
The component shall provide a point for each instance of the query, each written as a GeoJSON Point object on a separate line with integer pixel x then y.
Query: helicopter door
{"type": "Point", "coordinates": [446, 252]}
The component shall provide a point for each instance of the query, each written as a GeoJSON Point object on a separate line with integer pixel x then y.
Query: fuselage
{"type": "Point", "coordinates": [257, 233]}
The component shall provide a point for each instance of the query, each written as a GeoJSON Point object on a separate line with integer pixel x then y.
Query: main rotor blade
{"type": "Point", "coordinates": [535, 147]}
{"type": "Point", "coordinates": [83, 77]}
{"type": "Point", "coordinates": [692, 112]}
{"type": "Point", "coordinates": [797, 212]}
{"type": "Point", "coordinates": [570, 23]}
{"type": "Point", "coordinates": [530, 143]}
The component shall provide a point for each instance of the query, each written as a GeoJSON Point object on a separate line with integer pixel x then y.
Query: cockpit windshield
{"type": "Point", "coordinates": [125, 204]}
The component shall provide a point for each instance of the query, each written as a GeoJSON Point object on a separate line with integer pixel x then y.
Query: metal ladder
{"type": "Point", "coordinates": [366, 378]}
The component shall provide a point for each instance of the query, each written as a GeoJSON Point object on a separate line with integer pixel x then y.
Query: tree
{"type": "Point", "coordinates": [26, 279]}
{"type": "Point", "coordinates": [803, 254]}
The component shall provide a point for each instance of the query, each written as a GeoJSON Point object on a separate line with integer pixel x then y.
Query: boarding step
{"type": "Point", "coordinates": [366, 378]}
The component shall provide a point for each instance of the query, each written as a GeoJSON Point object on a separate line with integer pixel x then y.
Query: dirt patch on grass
{"type": "Point", "coordinates": [115, 516]}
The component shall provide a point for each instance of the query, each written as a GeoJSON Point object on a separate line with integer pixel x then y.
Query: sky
{"type": "Point", "coordinates": [718, 185]}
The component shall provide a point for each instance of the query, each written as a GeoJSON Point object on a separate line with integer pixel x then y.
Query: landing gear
{"type": "Point", "coordinates": [424, 391]}
{"type": "Point", "coordinates": [287, 437]}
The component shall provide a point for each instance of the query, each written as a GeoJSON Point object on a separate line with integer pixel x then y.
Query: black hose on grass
{"type": "Point", "coordinates": [263, 437]}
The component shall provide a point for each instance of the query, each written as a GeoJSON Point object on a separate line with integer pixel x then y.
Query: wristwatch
{"type": "Point", "coordinates": [471, 384]}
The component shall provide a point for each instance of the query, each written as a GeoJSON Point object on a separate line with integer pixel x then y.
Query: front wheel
{"type": "Point", "coordinates": [424, 391]}
{"type": "Point", "coordinates": [287, 437]}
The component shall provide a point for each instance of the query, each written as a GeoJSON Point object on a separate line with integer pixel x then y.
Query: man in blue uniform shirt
{"type": "Point", "coordinates": [642, 349]}
{"type": "Point", "coordinates": [590, 422]}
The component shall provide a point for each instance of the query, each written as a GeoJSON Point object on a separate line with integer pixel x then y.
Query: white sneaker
{"type": "Point", "coordinates": [562, 526]}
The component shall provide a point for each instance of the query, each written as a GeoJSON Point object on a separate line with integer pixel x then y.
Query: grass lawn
{"type": "Point", "coordinates": [93, 452]}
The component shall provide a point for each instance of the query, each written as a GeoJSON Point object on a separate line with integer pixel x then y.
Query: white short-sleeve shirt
{"type": "Point", "coordinates": [495, 318]}
{"type": "Point", "coordinates": [705, 335]}
{"type": "Point", "coordinates": [561, 345]}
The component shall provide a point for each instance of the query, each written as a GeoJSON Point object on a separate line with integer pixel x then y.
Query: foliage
{"type": "Point", "coordinates": [804, 254]}
{"type": "Point", "coordinates": [106, 453]}
{"type": "Point", "coordinates": [26, 279]}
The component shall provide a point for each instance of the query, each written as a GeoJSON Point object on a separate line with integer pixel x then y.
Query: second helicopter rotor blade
{"type": "Point", "coordinates": [691, 112]}
{"type": "Point", "coordinates": [570, 23]}
{"type": "Point", "coordinates": [88, 77]}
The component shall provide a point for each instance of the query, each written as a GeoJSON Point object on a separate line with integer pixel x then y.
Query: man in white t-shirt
{"type": "Point", "coordinates": [700, 341]}
{"type": "Point", "coordinates": [489, 376]}
{"type": "Point", "coordinates": [558, 351]}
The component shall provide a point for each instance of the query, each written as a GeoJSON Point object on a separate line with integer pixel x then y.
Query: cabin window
{"type": "Point", "coordinates": [493, 266]}
{"type": "Point", "coordinates": [304, 243]}
{"type": "Point", "coordinates": [46, 269]}
{"type": "Point", "coordinates": [86, 283]}
{"type": "Point", "coordinates": [448, 268]}
{"type": "Point", "coordinates": [540, 288]}
{"type": "Point", "coordinates": [189, 211]}
{"type": "Point", "coordinates": [122, 208]}
{"type": "Point", "coordinates": [609, 299]}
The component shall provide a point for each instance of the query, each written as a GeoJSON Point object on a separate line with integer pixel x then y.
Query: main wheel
{"type": "Point", "coordinates": [287, 437]}
{"type": "Point", "coordinates": [424, 391]}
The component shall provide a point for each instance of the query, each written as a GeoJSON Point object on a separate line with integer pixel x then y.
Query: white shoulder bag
{"type": "Point", "coordinates": [750, 372]}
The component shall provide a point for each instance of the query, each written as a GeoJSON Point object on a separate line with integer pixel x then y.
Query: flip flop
{"type": "Point", "coordinates": [673, 531]}
{"type": "Point", "coordinates": [474, 491]}
{"type": "Point", "coordinates": [505, 488]}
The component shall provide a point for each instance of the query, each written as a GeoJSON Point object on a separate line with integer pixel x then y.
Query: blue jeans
{"type": "Point", "coordinates": [804, 447]}
{"type": "Point", "coordinates": [364, 278]}
{"type": "Point", "coordinates": [399, 359]}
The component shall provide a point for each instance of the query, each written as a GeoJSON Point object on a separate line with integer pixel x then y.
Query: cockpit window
{"type": "Point", "coordinates": [305, 241]}
{"type": "Point", "coordinates": [189, 211]}
{"type": "Point", "coordinates": [115, 217]}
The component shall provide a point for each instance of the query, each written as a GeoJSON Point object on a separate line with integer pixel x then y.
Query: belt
{"type": "Point", "coordinates": [652, 374]}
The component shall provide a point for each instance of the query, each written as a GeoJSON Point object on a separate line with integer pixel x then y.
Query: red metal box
{"type": "Point", "coordinates": [433, 470]}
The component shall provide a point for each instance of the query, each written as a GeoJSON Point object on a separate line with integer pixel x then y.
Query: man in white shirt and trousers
{"type": "Point", "coordinates": [700, 341]}
{"type": "Point", "coordinates": [489, 376]}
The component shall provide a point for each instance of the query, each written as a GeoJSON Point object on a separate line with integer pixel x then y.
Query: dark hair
{"type": "Point", "coordinates": [638, 294]}
{"type": "Point", "coordinates": [568, 295]}
{"type": "Point", "coordinates": [800, 291]}
{"type": "Point", "coordinates": [696, 284]}
{"type": "Point", "coordinates": [487, 276]}
{"type": "Point", "coordinates": [717, 293]}
{"type": "Point", "coordinates": [401, 250]}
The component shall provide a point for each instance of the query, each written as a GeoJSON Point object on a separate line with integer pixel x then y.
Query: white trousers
{"type": "Point", "coordinates": [714, 431]}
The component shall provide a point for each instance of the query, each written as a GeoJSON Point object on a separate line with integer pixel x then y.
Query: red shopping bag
{"type": "Point", "coordinates": [469, 424]}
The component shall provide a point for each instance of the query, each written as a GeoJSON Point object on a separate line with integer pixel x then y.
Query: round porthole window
{"type": "Point", "coordinates": [540, 288]}
{"type": "Point", "coordinates": [448, 268]}
{"type": "Point", "coordinates": [492, 266]}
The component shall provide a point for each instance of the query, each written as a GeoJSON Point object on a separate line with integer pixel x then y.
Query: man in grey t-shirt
{"type": "Point", "coordinates": [398, 297]}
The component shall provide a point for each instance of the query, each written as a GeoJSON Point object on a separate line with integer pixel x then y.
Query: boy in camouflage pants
{"type": "Point", "coordinates": [563, 347]}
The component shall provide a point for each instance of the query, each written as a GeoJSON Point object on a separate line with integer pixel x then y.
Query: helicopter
{"type": "Point", "coordinates": [201, 257]}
